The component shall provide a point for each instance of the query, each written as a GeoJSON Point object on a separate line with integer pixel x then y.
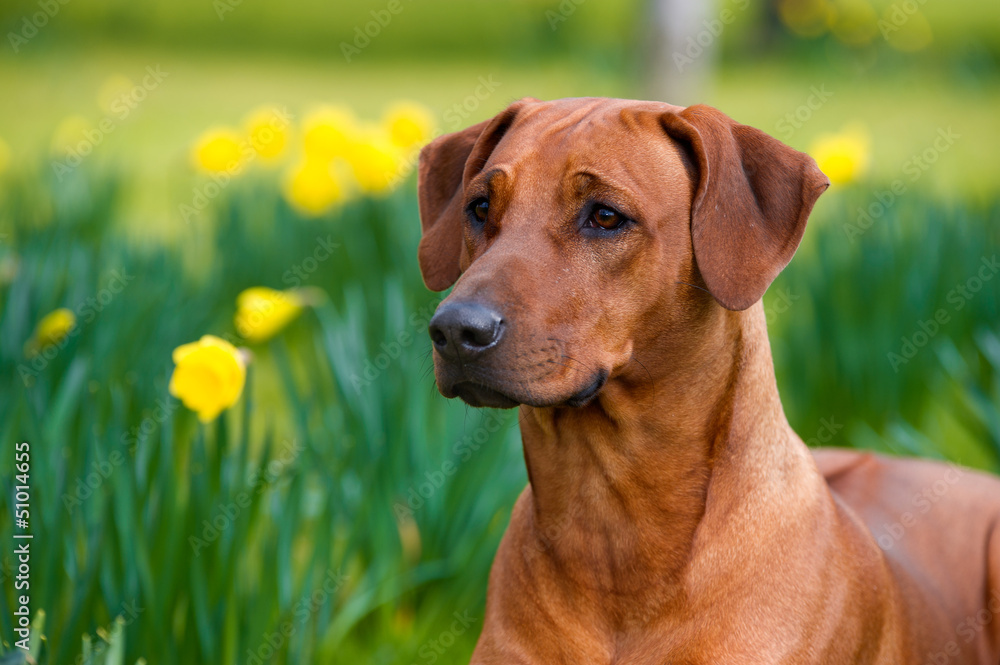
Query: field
{"type": "Point", "coordinates": [342, 510]}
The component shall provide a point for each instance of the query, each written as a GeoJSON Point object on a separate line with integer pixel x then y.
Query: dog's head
{"type": "Point", "coordinates": [580, 230]}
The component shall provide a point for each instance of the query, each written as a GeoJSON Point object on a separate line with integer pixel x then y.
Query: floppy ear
{"type": "Point", "coordinates": [445, 166]}
{"type": "Point", "coordinates": [751, 202]}
{"type": "Point", "coordinates": [439, 190]}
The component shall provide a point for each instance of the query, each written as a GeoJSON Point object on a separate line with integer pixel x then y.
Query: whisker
{"type": "Point", "coordinates": [520, 417]}
{"type": "Point", "coordinates": [695, 286]}
{"type": "Point", "coordinates": [648, 375]}
{"type": "Point", "coordinates": [579, 362]}
{"type": "Point", "coordinates": [562, 344]}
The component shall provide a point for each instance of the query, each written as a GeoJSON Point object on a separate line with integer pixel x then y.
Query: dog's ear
{"type": "Point", "coordinates": [446, 164]}
{"type": "Point", "coordinates": [751, 201]}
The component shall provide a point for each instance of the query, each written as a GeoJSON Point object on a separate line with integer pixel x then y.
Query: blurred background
{"type": "Point", "coordinates": [293, 489]}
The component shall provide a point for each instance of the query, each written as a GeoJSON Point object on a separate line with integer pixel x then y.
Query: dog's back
{"type": "Point", "coordinates": [931, 520]}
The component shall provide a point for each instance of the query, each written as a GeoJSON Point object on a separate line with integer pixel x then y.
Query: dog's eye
{"type": "Point", "coordinates": [606, 218]}
{"type": "Point", "coordinates": [480, 209]}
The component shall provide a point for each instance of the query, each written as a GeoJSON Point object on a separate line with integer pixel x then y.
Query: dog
{"type": "Point", "coordinates": [608, 259]}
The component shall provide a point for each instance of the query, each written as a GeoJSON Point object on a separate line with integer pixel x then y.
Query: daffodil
{"type": "Point", "coordinates": [267, 129]}
{"type": "Point", "coordinates": [409, 536]}
{"type": "Point", "coordinates": [218, 150]}
{"type": "Point", "coordinates": [314, 186]}
{"type": "Point", "coordinates": [806, 18]}
{"type": "Point", "coordinates": [70, 134]}
{"type": "Point", "coordinates": [261, 313]}
{"type": "Point", "coordinates": [408, 124]}
{"type": "Point", "coordinates": [52, 329]}
{"type": "Point", "coordinates": [904, 31]}
{"type": "Point", "coordinates": [853, 22]}
{"type": "Point", "coordinates": [843, 156]}
{"type": "Point", "coordinates": [208, 376]}
{"type": "Point", "coordinates": [328, 132]}
{"type": "Point", "coordinates": [378, 165]}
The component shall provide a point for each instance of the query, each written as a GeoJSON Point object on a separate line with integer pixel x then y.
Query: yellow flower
{"type": "Point", "coordinates": [328, 132]}
{"type": "Point", "coordinates": [208, 376]}
{"type": "Point", "coordinates": [218, 150]}
{"type": "Point", "coordinates": [853, 22]}
{"type": "Point", "coordinates": [908, 35]}
{"type": "Point", "coordinates": [314, 187]}
{"type": "Point", "coordinates": [261, 313]}
{"type": "Point", "coordinates": [4, 156]}
{"type": "Point", "coordinates": [409, 124]}
{"type": "Point", "coordinates": [843, 156]}
{"type": "Point", "coordinates": [267, 129]}
{"type": "Point", "coordinates": [378, 165]}
{"type": "Point", "coordinates": [70, 136]}
{"type": "Point", "coordinates": [806, 18]}
{"type": "Point", "coordinates": [409, 536]}
{"type": "Point", "coordinates": [52, 329]}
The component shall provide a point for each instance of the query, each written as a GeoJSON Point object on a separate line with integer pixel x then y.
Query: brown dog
{"type": "Point", "coordinates": [610, 257]}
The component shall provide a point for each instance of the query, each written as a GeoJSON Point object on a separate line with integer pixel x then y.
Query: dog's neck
{"type": "Point", "coordinates": [622, 488]}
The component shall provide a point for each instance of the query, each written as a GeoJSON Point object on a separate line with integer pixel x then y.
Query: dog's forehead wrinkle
{"type": "Point", "coordinates": [597, 182]}
{"type": "Point", "coordinates": [558, 116]}
{"type": "Point", "coordinates": [663, 474]}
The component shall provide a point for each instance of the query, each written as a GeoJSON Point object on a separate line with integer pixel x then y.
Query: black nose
{"type": "Point", "coordinates": [465, 329]}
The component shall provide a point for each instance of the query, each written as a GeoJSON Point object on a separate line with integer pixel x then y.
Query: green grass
{"type": "Point", "coordinates": [311, 475]}
{"type": "Point", "coordinates": [852, 300]}
{"type": "Point", "coordinates": [351, 456]}
{"type": "Point", "coordinates": [306, 476]}
{"type": "Point", "coordinates": [903, 107]}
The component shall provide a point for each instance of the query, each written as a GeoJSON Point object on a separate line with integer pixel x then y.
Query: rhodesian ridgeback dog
{"type": "Point", "coordinates": [608, 260]}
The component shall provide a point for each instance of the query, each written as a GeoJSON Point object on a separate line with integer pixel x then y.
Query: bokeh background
{"type": "Point", "coordinates": [241, 169]}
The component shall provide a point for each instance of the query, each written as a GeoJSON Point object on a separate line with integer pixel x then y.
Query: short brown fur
{"type": "Point", "coordinates": [674, 516]}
